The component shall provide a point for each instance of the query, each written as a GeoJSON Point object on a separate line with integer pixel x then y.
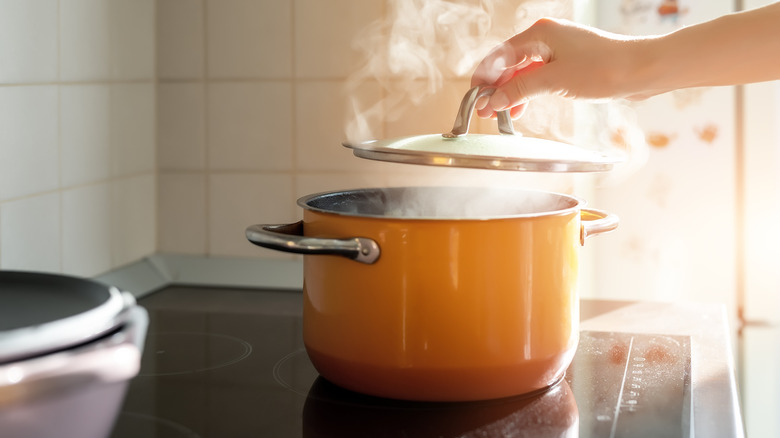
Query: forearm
{"type": "Point", "coordinates": [586, 63]}
{"type": "Point", "coordinates": [734, 49]}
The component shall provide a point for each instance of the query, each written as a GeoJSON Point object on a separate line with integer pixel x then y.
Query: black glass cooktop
{"type": "Point", "coordinates": [231, 363]}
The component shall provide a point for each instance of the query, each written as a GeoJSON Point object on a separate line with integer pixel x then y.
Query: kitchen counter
{"type": "Point", "coordinates": [713, 395]}
{"type": "Point", "coordinates": [716, 411]}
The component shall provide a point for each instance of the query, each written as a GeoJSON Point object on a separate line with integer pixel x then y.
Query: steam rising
{"type": "Point", "coordinates": [421, 44]}
{"type": "Point", "coordinates": [411, 51]}
{"type": "Point", "coordinates": [443, 202]}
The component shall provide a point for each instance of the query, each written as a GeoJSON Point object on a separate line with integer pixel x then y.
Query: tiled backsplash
{"type": "Point", "coordinates": [77, 134]}
{"type": "Point", "coordinates": [129, 127]}
{"type": "Point", "coordinates": [232, 132]}
{"type": "Point", "coordinates": [251, 115]}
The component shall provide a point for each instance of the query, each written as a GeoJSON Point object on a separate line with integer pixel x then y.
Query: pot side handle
{"type": "Point", "coordinates": [596, 222]}
{"type": "Point", "coordinates": [290, 238]}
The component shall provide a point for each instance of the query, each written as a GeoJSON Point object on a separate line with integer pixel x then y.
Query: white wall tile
{"type": "Point", "coordinates": [84, 134]}
{"type": "Point", "coordinates": [239, 200]}
{"type": "Point", "coordinates": [249, 38]}
{"type": "Point", "coordinates": [29, 153]}
{"type": "Point", "coordinates": [181, 133]}
{"type": "Point", "coordinates": [30, 234]}
{"type": "Point", "coordinates": [133, 218]}
{"type": "Point", "coordinates": [309, 183]}
{"type": "Point", "coordinates": [28, 41]}
{"type": "Point", "coordinates": [181, 213]}
{"type": "Point", "coordinates": [132, 28]}
{"type": "Point", "coordinates": [433, 114]}
{"type": "Point", "coordinates": [180, 39]}
{"type": "Point", "coordinates": [58, 141]}
{"type": "Point", "coordinates": [249, 125]}
{"type": "Point", "coordinates": [84, 40]}
{"type": "Point", "coordinates": [86, 230]}
{"type": "Point", "coordinates": [132, 128]}
{"type": "Point", "coordinates": [325, 31]}
{"type": "Point", "coordinates": [321, 117]}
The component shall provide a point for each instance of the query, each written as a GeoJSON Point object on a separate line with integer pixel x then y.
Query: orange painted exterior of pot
{"type": "Point", "coordinates": [453, 310]}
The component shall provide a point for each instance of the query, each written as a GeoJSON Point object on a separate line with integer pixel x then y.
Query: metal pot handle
{"type": "Point", "coordinates": [290, 238]}
{"type": "Point", "coordinates": [596, 222]}
{"type": "Point", "coordinates": [463, 118]}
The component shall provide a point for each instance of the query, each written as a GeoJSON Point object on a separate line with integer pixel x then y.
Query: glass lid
{"type": "Point", "coordinates": [507, 151]}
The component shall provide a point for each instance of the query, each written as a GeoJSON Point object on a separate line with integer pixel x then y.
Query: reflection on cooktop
{"type": "Point", "coordinates": [135, 425]}
{"type": "Point", "coordinates": [231, 363]}
{"type": "Point", "coordinates": [331, 411]}
{"type": "Point", "coordinates": [190, 352]}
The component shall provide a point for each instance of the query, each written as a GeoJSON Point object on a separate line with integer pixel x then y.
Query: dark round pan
{"type": "Point", "coordinates": [41, 313]}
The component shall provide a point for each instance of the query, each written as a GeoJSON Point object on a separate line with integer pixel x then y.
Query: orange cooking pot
{"type": "Point", "coordinates": [439, 294]}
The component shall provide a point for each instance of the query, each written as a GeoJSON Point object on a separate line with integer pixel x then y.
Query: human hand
{"type": "Point", "coordinates": [561, 58]}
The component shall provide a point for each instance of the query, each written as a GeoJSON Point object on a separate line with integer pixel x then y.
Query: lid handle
{"type": "Point", "coordinates": [463, 119]}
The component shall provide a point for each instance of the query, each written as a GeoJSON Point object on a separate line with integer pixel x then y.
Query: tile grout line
{"type": "Point", "coordinates": [112, 213]}
{"type": "Point", "coordinates": [156, 128]}
{"type": "Point", "coordinates": [78, 82]}
{"type": "Point", "coordinates": [60, 200]}
{"type": "Point", "coordinates": [383, 90]}
{"type": "Point", "coordinates": [293, 110]}
{"type": "Point", "coordinates": [205, 121]}
{"type": "Point", "coordinates": [106, 181]}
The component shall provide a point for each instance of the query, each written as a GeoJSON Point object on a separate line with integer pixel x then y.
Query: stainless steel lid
{"type": "Point", "coordinates": [42, 313]}
{"type": "Point", "coordinates": [508, 151]}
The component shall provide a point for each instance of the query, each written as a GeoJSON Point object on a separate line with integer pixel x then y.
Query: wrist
{"type": "Point", "coordinates": [647, 70]}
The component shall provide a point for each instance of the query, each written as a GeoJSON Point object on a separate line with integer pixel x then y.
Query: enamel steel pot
{"type": "Point", "coordinates": [439, 294]}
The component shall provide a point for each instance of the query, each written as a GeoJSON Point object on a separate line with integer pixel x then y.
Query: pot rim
{"type": "Point", "coordinates": [577, 204]}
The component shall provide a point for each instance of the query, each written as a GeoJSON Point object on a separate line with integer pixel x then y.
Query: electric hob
{"type": "Point", "coordinates": [231, 363]}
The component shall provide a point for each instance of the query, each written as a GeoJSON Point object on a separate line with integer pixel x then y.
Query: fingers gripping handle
{"type": "Point", "coordinates": [463, 119]}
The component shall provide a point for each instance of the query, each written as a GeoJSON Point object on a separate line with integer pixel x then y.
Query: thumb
{"type": "Point", "coordinates": [524, 85]}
